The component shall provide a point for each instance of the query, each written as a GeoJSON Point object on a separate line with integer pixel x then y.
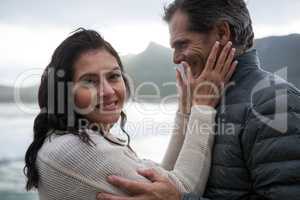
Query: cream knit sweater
{"type": "Point", "coordinates": [71, 169]}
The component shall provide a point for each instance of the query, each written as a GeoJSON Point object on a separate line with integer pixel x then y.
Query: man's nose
{"type": "Point", "coordinates": [178, 57]}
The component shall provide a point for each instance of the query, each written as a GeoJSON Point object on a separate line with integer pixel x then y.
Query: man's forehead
{"type": "Point", "coordinates": [179, 21]}
{"type": "Point", "coordinates": [178, 26]}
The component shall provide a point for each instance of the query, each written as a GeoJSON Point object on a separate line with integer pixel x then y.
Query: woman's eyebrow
{"type": "Point", "coordinates": [87, 75]}
{"type": "Point", "coordinates": [91, 74]}
{"type": "Point", "coordinates": [116, 68]}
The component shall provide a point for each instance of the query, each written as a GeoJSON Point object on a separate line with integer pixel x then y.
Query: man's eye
{"type": "Point", "coordinates": [179, 45]}
{"type": "Point", "coordinates": [183, 45]}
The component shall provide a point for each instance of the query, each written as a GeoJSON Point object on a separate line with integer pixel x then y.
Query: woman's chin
{"type": "Point", "coordinates": [106, 119]}
{"type": "Point", "coordinates": [109, 120]}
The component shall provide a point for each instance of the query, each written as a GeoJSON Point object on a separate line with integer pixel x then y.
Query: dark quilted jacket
{"type": "Point", "coordinates": [257, 149]}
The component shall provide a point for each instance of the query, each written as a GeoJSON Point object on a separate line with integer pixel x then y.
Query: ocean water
{"type": "Point", "coordinates": [149, 126]}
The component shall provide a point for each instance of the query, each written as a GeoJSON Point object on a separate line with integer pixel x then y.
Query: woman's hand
{"type": "Point", "coordinates": [206, 89]}
{"type": "Point", "coordinates": [184, 92]}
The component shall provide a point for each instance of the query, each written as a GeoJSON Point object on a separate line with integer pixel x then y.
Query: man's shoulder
{"type": "Point", "coordinates": [269, 88]}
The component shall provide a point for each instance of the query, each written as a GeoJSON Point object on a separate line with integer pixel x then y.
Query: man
{"type": "Point", "coordinates": [257, 153]}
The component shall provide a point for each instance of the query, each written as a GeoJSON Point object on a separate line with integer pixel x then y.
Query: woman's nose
{"type": "Point", "coordinates": [106, 89]}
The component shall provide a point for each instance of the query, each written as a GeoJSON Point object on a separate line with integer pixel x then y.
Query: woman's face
{"type": "Point", "coordinates": [99, 89]}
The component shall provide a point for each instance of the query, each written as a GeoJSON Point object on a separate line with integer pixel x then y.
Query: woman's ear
{"type": "Point", "coordinates": [223, 32]}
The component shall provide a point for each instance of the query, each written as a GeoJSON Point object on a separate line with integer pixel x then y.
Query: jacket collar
{"type": "Point", "coordinates": [246, 62]}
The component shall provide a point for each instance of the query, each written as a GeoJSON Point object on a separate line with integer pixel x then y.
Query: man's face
{"type": "Point", "coordinates": [191, 47]}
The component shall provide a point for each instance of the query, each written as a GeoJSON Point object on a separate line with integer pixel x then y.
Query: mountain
{"type": "Point", "coordinates": [281, 51]}
{"type": "Point", "coordinates": [152, 70]}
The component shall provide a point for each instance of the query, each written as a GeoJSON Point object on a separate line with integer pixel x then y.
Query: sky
{"type": "Point", "coordinates": [30, 30]}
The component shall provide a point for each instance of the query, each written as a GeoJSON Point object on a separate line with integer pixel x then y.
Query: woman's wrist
{"type": "Point", "coordinates": [205, 102]}
{"type": "Point", "coordinates": [184, 107]}
{"type": "Point", "coordinates": [204, 113]}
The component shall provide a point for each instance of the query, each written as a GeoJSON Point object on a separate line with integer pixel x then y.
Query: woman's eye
{"type": "Point", "coordinates": [115, 76]}
{"type": "Point", "coordinates": [89, 81]}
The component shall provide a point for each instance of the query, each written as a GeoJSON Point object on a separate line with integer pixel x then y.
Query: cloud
{"type": "Point", "coordinates": [30, 30]}
{"type": "Point", "coordinates": [274, 12]}
{"type": "Point", "coordinates": [80, 12]}
{"type": "Point", "coordinates": [108, 13]}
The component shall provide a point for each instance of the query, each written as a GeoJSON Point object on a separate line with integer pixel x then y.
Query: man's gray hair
{"type": "Point", "coordinates": [203, 15]}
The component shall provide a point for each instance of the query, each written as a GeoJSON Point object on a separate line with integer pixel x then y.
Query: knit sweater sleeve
{"type": "Point", "coordinates": [192, 166]}
{"type": "Point", "coordinates": [71, 169]}
{"type": "Point", "coordinates": [176, 140]}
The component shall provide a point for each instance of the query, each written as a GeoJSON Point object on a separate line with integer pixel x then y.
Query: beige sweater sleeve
{"type": "Point", "coordinates": [71, 169]}
{"type": "Point", "coordinates": [176, 140]}
{"type": "Point", "coordinates": [192, 166]}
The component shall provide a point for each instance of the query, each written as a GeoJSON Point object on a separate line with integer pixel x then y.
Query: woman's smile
{"type": "Point", "coordinates": [108, 106]}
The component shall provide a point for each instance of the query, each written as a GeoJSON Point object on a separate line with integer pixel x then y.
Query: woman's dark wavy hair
{"type": "Point", "coordinates": [204, 14]}
{"type": "Point", "coordinates": [51, 118]}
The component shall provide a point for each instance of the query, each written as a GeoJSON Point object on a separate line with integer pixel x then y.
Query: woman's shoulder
{"type": "Point", "coordinates": [68, 153]}
{"type": "Point", "coordinates": [61, 139]}
{"type": "Point", "coordinates": [63, 146]}
{"type": "Point", "coordinates": [69, 147]}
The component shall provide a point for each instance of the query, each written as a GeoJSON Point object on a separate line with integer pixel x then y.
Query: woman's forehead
{"type": "Point", "coordinates": [99, 57]}
{"type": "Point", "coordinates": [95, 62]}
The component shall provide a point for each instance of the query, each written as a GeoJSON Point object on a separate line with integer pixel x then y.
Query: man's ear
{"type": "Point", "coordinates": [223, 32]}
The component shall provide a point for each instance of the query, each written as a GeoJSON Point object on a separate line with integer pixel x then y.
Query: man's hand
{"type": "Point", "coordinates": [160, 188]}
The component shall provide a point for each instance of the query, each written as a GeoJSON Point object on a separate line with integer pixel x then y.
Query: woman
{"type": "Point", "coordinates": [73, 150]}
